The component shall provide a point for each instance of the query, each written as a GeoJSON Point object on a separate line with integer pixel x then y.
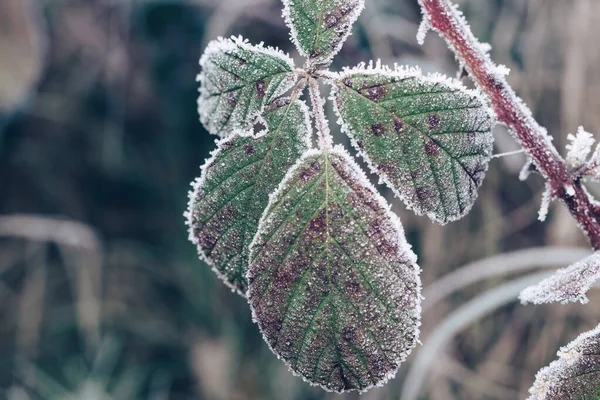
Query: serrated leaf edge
{"type": "Point", "coordinates": [403, 72]}
{"type": "Point", "coordinates": [274, 197]}
{"type": "Point", "coordinates": [222, 44]}
{"type": "Point", "coordinates": [199, 181]}
{"type": "Point", "coordinates": [565, 354]}
{"type": "Point", "coordinates": [536, 294]}
{"type": "Point", "coordinates": [287, 17]}
{"type": "Point", "coordinates": [193, 194]}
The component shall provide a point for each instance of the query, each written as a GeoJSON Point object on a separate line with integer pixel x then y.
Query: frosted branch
{"type": "Point", "coordinates": [510, 110]}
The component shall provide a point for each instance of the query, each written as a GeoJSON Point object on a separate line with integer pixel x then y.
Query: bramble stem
{"type": "Point", "coordinates": [318, 110]}
{"type": "Point", "coordinates": [443, 17]}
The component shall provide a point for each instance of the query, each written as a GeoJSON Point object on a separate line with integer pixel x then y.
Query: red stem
{"type": "Point", "coordinates": [510, 110]}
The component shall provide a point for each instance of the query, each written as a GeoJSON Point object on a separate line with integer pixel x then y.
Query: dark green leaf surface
{"type": "Point", "coordinates": [320, 27]}
{"type": "Point", "coordinates": [233, 190]}
{"type": "Point", "coordinates": [237, 80]}
{"type": "Point", "coordinates": [428, 138]}
{"type": "Point", "coordinates": [575, 375]}
{"type": "Point", "coordinates": [333, 284]}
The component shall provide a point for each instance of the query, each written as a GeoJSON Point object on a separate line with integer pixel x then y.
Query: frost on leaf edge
{"type": "Point", "coordinates": [555, 371]}
{"type": "Point", "coordinates": [541, 292]}
{"type": "Point", "coordinates": [221, 44]}
{"type": "Point", "coordinates": [403, 245]}
{"type": "Point", "coordinates": [405, 72]}
{"type": "Point", "coordinates": [287, 17]}
{"type": "Point", "coordinates": [197, 183]}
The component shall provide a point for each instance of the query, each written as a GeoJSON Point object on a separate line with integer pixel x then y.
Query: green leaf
{"type": "Point", "coordinates": [333, 284]}
{"type": "Point", "coordinates": [575, 375]}
{"type": "Point", "coordinates": [427, 137]}
{"type": "Point", "coordinates": [320, 27]}
{"type": "Point", "coordinates": [233, 190]}
{"type": "Point", "coordinates": [237, 80]}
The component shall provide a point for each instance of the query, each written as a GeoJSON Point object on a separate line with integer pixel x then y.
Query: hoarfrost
{"type": "Point", "coordinates": [546, 199]}
{"type": "Point", "coordinates": [236, 82]}
{"type": "Point", "coordinates": [424, 27]}
{"type": "Point", "coordinates": [502, 70]}
{"type": "Point", "coordinates": [568, 285]}
{"type": "Point", "coordinates": [427, 137]}
{"type": "Point", "coordinates": [480, 51]}
{"type": "Point", "coordinates": [319, 29]}
{"type": "Point", "coordinates": [333, 284]}
{"type": "Point", "coordinates": [576, 373]}
{"type": "Point", "coordinates": [233, 190]}
{"type": "Point", "coordinates": [527, 169]}
{"type": "Point", "coordinates": [579, 148]}
{"type": "Point", "coordinates": [570, 190]}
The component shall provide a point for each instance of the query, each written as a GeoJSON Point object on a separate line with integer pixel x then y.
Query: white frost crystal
{"type": "Point", "coordinates": [575, 375]}
{"type": "Point", "coordinates": [320, 28]}
{"type": "Point", "coordinates": [568, 284]}
{"type": "Point", "coordinates": [546, 199]}
{"type": "Point", "coordinates": [424, 27]}
{"type": "Point", "coordinates": [579, 148]}
{"type": "Point", "coordinates": [237, 81]}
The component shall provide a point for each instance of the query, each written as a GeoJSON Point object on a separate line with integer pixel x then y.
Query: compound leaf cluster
{"type": "Point", "coordinates": [324, 263]}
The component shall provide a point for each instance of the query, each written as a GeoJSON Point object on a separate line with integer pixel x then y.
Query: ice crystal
{"type": "Point", "coordinates": [579, 147]}
{"type": "Point", "coordinates": [428, 137]}
{"type": "Point", "coordinates": [568, 284]}
{"type": "Point", "coordinates": [333, 284]}
{"type": "Point", "coordinates": [545, 206]}
{"type": "Point", "coordinates": [424, 27]}
{"type": "Point", "coordinates": [527, 169]}
{"type": "Point", "coordinates": [575, 375]}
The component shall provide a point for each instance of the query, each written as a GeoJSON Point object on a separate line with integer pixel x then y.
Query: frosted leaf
{"type": "Point", "coordinates": [320, 28]}
{"type": "Point", "coordinates": [427, 137]}
{"type": "Point", "coordinates": [237, 80]}
{"type": "Point", "coordinates": [568, 284]}
{"type": "Point", "coordinates": [579, 147]}
{"type": "Point", "coordinates": [233, 190]}
{"type": "Point", "coordinates": [333, 284]}
{"type": "Point", "coordinates": [575, 375]}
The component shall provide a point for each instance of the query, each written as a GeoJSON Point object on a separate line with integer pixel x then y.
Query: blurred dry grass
{"type": "Point", "coordinates": [101, 296]}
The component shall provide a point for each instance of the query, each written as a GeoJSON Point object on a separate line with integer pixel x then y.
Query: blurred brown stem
{"type": "Point", "coordinates": [443, 17]}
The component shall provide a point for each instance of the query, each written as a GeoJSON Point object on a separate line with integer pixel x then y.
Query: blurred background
{"type": "Point", "coordinates": [102, 296]}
